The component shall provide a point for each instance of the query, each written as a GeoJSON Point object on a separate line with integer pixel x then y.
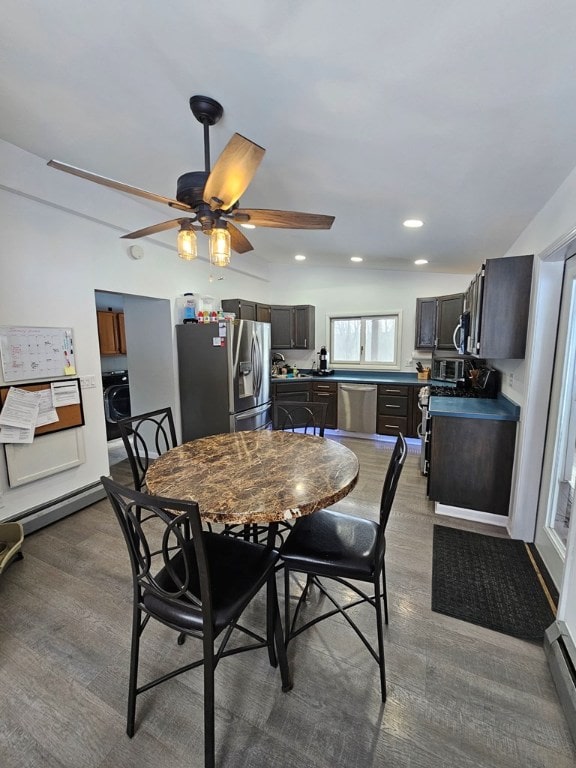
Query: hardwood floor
{"type": "Point", "coordinates": [459, 696]}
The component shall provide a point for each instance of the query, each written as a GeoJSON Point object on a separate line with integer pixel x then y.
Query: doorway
{"type": "Point", "coordinates": [555, 508]}
{"type": "Point", "coordinates": [148, 360]}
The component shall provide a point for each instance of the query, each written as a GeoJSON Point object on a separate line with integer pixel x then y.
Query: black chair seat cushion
{"type": "Point", "coordinates": [332, 544]}
{"type": "Point", "coordinates": [237, 569]}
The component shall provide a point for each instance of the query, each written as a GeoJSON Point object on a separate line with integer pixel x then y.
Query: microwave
{"type": "Point", "coordinates": [448, 369]}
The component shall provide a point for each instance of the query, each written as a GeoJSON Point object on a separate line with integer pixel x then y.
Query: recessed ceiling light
{"type": "Point", "coordinates": [419, 262]}
{"type": "Point", "coordinates": [356, 258]}
{"type": "Point", "coordinates": [300, 257]}
{"type": "Point", "coordinates": [248, 226]}
{"type": "Point", "coordinates": [413, 223]}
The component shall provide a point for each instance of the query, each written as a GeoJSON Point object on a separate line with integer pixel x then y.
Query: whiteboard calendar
{"type": "Point", "coordinates": [36, 353]}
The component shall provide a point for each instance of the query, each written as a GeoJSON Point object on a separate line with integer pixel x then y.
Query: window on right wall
{"type": "Point", "coordinates": [371, 340]}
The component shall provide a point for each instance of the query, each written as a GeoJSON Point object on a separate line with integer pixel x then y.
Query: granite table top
{"type": "Point", "coordinates": [262, 476]}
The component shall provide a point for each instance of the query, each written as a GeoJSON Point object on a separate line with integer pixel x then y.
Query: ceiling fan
{"type": "Point", "coordinates": [210, 198]}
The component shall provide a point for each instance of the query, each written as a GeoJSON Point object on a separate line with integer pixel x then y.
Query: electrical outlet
{"type": "Point", "coordinates": [511, 379]}
{"type": "Point", "coordinates": [88, 382]}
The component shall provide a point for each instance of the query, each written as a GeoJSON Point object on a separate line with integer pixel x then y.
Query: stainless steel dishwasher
{"type": "Point", "coordinates": [357, 407]}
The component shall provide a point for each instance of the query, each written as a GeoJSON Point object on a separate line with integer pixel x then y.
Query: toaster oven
{"type": "Point", "coordinates": [447, 369]}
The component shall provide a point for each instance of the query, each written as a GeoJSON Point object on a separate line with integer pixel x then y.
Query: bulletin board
{"type": "Point", "coordinates": [68, 415]}
{"type": "Point", "coordinates": [36, 353]}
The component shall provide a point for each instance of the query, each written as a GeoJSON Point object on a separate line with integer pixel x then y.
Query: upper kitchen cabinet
{"type": "Point", "coordinates": [263, 313]}
{"type": "Point", "coordinates": [111, 335]}
{"type": "Point", "coordinates": [498, 300]}
{"type": "Point", "coordinates": [436, 321]}
{"type": "Point", "coordinates": [244, 310]}
{"type": "Point", "coordinates": [293, 327]}
{"type": "Point", "coordinates": [425, 323]}
{"type": "Point", "coordinates": [448, 315]}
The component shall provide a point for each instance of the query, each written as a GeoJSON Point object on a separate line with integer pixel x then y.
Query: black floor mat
{"type": "Point", "coordinates": [488, 581]}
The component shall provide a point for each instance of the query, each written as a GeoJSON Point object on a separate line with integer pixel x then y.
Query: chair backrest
{"type": "Point", "coordinates": [161, 535]}
{"type": "Point", "coordinates": [297, 414]}
{"type": "Point", "coordinates": [146, 437]}
{"type": "Point", "coordinates": [389, 488]}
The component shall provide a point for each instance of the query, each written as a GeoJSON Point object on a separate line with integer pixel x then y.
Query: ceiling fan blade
{"type": "Point", "coordinates": [233, 171]}
{"type": "Point", "coordinates": [153, 229]}
{"type": "Point", "coordinates": [118, 185]}
{"type": "Point", "coordinates": [262, 217]}
{"type": "Point", "coordinates": [238, 242]}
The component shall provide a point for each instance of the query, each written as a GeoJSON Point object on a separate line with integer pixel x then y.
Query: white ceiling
{"type": "Point", "coordinates": [459, 112]}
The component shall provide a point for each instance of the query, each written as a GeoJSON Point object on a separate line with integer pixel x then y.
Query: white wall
{"type": "Point", "coordinates": [367, 290]}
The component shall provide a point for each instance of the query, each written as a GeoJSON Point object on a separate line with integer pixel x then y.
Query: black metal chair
{"type": "Point", "coordinates": [342, 547]}
{"type": "Point", "coordinates": [145, 437]}
{"type": "Point", "coordinates": [301, 415]}
{"type": "Point", "coordinates": [197, 583]}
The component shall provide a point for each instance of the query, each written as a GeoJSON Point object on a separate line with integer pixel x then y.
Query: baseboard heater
{"type": "Point", "coordinates": [45, 514]}
{"type": "Point", "coordinates": [561, 655]}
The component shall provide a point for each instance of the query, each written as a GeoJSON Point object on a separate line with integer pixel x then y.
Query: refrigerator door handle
{"type": "Point", "coordinates": [255, 365]}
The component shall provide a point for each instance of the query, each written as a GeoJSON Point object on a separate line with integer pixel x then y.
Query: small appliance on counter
{"type": "Point", "coordinates": [323, 369]}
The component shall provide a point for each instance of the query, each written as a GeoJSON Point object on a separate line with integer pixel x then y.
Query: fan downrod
{"type": "Point", "coordinates": [206, 110]}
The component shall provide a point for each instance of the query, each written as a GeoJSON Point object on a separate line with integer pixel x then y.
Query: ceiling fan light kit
{"type": "Point", "coordinates": [187, 243]}
{"type": "Point", "coordinates": [211, 197]}
{"type": "Point", "coordinates": [220, 246]}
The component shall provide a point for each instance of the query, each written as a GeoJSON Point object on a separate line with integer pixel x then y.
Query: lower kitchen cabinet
{"type": "Point", "coordinates": [471, 463]}
{"type": "Point", "coordinates": [327, 392]}
{"type": "Point", "coordinates": [392, 413]}
{"type": "Point", "coordinates": [298, 391]}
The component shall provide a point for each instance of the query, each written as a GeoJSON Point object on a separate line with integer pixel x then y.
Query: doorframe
{"type": "Point", "coordinates": [551, 550]}
{"type": "Point", "coordinates": [542, 331]}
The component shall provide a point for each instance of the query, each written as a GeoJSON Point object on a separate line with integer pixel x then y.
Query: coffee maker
{"type": "Point", "coordinates": [323, 369]}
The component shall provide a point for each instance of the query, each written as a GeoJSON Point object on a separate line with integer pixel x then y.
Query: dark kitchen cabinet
{"type": "Point", "coordinates": [281, 319]}
{"type": "Point", "coordinates": [299, 390]}
{"type": "Point", "coordinates": [447, 318]}
{"type": "Point", "coordinates": [436, 321]}
{"type": "Point", "coordinates": [244, 310]}
{"type": "Point", "coordinates": [499, 301]}
{"type": "Point", "coordinates": [293, 327]}
{"type": "Point", "coordinates": [392, 413]}
{"type": "Point", "coordinates": [263, 313]}
{"type": "Point", "coordinates": [471, 463]}
{"type": "Point", "coordinates": [425, 323]}
{"type": "Point", "coordinates": [327, 392]}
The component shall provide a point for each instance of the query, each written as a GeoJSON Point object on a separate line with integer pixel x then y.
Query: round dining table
{"type": "Point", "coordinates": [252, 477]}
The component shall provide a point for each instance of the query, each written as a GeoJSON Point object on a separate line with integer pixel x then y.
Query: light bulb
{"type": "Point", "coordinates": [187, 245]}
{"type": "Point", "coordinates": [220, 247]}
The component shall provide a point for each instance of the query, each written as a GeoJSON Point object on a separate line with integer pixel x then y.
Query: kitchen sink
{"type": "Point", "coordinates": [292, 376]}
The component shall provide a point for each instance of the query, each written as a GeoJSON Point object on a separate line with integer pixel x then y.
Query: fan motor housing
{"type": "Point", "coordinates": [190, 188]}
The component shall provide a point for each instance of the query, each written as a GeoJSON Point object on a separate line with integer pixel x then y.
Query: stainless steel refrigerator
{"type": "Point", "coordinates": [224, 375]}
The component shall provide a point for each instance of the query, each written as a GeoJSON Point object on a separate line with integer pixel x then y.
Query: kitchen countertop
{"type": "Point", "coordinates": [364, 377]}
{"type": "Point", "coordinates": [497, 409]}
